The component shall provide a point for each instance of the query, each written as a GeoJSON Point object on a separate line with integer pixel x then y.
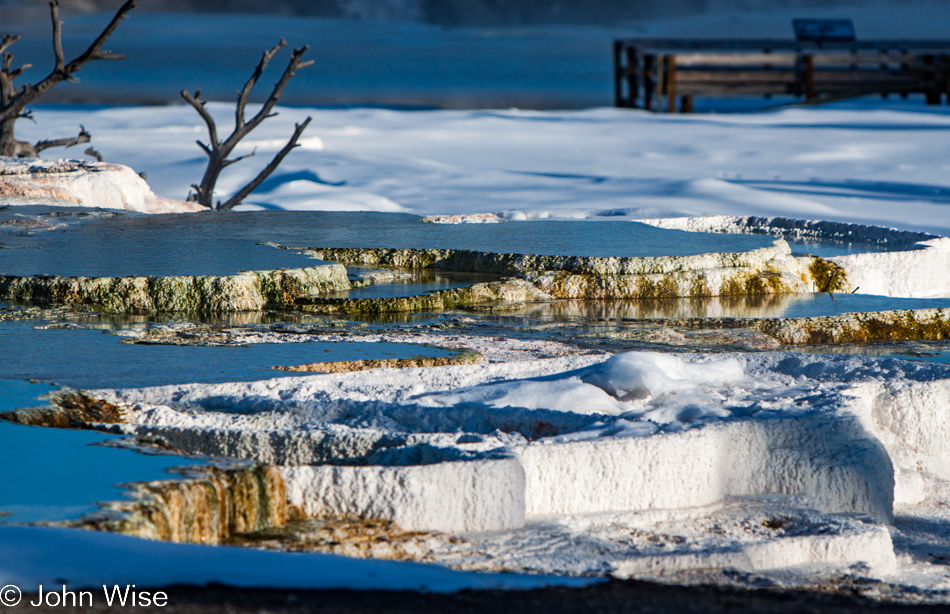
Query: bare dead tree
{"type": "Point", "coordinates": [14, 100]}
{"type": "Point", "coordinates": [218, 150]}
{"type": "Point", "coordinates": [91, 151]}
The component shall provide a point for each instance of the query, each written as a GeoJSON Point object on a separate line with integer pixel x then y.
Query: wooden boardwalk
{"type": "Point", "coordinates": [667, 74]}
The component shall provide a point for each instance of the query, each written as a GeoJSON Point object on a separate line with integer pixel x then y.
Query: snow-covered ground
{"type": "Point", "coordinates": [83, 559]}
{"type": "Point", "coordinates": [871, 162]}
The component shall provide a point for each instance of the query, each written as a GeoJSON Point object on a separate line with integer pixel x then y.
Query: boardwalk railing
{"type": "Point", "coordinates": [657, 74]}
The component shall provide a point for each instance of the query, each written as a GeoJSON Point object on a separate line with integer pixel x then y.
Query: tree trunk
{"type": "Point", "coordinates": [8, 143]}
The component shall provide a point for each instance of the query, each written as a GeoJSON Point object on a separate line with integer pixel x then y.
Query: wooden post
{"type": "Point", "coordinates": [686, 104]}
{"type": "Point", "coordinates": [633, 75]}
{"type": "Point", "coordinates": [933, 94]}
{"type": "Point", "coordinates": [660, 88]}
{"type": "Point", "coordinates": [810, 94]}
{"type": "Point", "coordinates": [618, 75]}
{"type": "Point", "coordinates": [671, 84]}
{"type": "Point", "coordinates": [649, 76]}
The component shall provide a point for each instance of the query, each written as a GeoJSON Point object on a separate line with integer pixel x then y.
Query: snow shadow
{"type": "Point", "coordinates": [849, 188]}
{"type": "Point", "coordinates": [272, 183]}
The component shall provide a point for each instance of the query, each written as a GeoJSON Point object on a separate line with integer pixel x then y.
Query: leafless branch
{"type": "Point", "coordinates": [265, 111]}
{"type": "Point", "coordinates": [7, 40]}
{"type": "Point", "coordinates": [250, 83]}
{"type": "Point", "coordinates": [16, 72]}
{"type": "Point", "coordinates": [199, 106]}
{"type": "Point", "coordinates": [257, 181]}
{"type": "Point", "coordinates": [57, 37]}
{"type": "Point", "coordinates": [63, 71]}
{"type": "Point", "coordinates": [82, 137]}
{"type": "Point", "coordinates": [231, 161]}
{"type": "Point", "coordinates": [95, 154]}
{"type": "Point", "coordinates": [219, 151]}
{"type": "Point", "coordinates": [13, 101]}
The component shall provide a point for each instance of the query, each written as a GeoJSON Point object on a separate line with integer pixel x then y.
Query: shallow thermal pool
{"type": "Point", "coordinates": [226, 243]}
{"type": "Point", "coordinates": [917, 351]}
{"type": "Point", "coordinates": [414, 283]}
{"type": "Point", "coordinates": [767, 306]}
{"type": "Point", "coordinates": [58, 474]}
{"type": "Point", "coordinates": [83, 358]}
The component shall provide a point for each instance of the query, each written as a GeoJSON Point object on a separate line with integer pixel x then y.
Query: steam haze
{"type": "Point", "coordinates": [461, 12]}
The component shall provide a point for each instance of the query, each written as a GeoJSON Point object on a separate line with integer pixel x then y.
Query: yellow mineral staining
{"type": "Point", "coordinates": [901, 325]}
{"type": "Point", "coordinates": [763, 271]}
{"type": "Point", "coordinates": [534, 278]}
{"type": "Point", "coordinates": [870, 327]}
{"type": "Point", "coordinates": [827, 276]}
{"type": "Point", "coordinates": [250, 291]}
{"type": "Point", "coordinates": [69, 409]}
{"type": "Point", "coordinates": [466, 357]}
{"type": "Point", "coordinates": [378, 539]}
{"type": "Point", "coordinates": [206, 508]}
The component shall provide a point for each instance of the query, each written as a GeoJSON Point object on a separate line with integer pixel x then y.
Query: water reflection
{"type": "Point", "coordinates": [764, 306]}
{"type": "Point", "coordinates": [56, 474]}
{"type": "Point", "coordinates": [409, 282]}
{"type": "Point", "coordinates": [225, 243]}
{"type": "Point", "coordinates": [84, 358]}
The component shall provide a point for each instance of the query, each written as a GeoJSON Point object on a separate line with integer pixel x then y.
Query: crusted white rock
{"type": "Point", "coordinates": [80, 183]}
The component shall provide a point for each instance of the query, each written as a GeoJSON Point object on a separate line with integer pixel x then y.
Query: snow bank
{"type": "Point", "coordinates": [79, 559]}
{"type": "Point", "coordinates": [78, 183]}
{"type": "Point", "coordinates": [559, 163]}
{"type": "Point", "coordinates": [753, 534]}
{"type": "Point", "coordinates": [591, 463]}
{"type": "Point", "coordinates": [613, 387]}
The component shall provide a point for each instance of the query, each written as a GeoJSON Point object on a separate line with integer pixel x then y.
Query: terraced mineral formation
{"type": "Point", "coordinates": [465, 357]}
{"type": "Point", "coordinates": [875, 326]}
{"type": "Point", "coordinates": [793, 229]}
{"type": "Point", "coordinates": [207, 506]}
{"type": "Point", "coordinates": [378, 539]}
{"type": "Point", "coordinates": [503, 294]}
{"type": "Point", "coordinates": [395, 457]}
{"type": "Point", "coordinates": [248, 291]}
{"type": "Point", "coordinates": [761, 271]}
{"type": "Point", "coordinates": [917, 266]}
{"type": "Point", "coordinates": [641, 463]}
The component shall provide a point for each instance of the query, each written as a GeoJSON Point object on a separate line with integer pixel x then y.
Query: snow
{"type": "Point", "coordinates": [679, 389]}
{"type": "Point", "coordinates": [575, 164]}
{"type": "Point", "coordinates": [79, 559]}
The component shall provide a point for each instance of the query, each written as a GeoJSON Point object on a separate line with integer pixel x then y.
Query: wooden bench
{"type": "Point", "coordinates": [654, 74]}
